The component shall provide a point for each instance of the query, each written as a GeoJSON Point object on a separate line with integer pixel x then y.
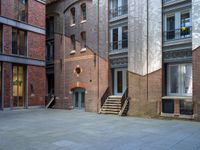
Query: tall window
{"type": "Point", "coordinates": [118, 8]}
{"type": "Point", "coordinates": [180, 79]}
{"type": "Point", "coordinates": [119, 38]}
{"type": "Point", "coordinates": [83, 40]}
{"type": "Point", "coordinates": [19, 42]}
{"type": "Point", "coordinates": [178, 25]}
{"type": "Point", "coordinates": [83, 11]}
{"type": "Point", "coordinates": [73, 42]}
{"type": "Point", "coordinates": [50, 27]}
{"type": "Point", "coordinates": [170, 27]}
{"type": "Point", "coordinates": [73, 16]}
{"type": "Point", "coordinates": [20, 10]}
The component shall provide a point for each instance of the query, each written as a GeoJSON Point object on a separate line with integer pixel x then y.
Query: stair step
{"type": "Point", "coordinates": [115, 97]}
{"type": "Point", "coordinates": [109, 112]}
{"type": "Point", "coordinates": [114, 107]}
{"type": "Point", "coordinates": [113, 110]}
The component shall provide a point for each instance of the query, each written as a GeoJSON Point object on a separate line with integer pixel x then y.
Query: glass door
{"type": "Point", "coordinates": [18, 86]}
{"type": "Point", "coordinates": [120, 81]}
{"type": "Point", "coordinates": [79, 98]}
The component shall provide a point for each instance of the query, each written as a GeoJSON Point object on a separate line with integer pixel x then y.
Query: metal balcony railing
{"type": "Point", "coordinates": [118, 45]}
{"type": "Point", "coordinates": [119, 11]}
{"type": "Point", "coordinates": [177, 34]}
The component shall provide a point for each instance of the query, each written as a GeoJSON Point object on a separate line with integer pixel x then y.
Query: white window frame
{"type": "Point", "coordinates": [180, 80]}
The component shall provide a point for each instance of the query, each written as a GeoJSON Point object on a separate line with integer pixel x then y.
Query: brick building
{"type": "Point", "coordinates": [137, 57]}
{"type": "Point", "coordinates": [22, 53]}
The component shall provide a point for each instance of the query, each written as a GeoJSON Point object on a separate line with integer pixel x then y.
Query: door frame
{"type": "Point", "coordinates": [24, 86]}
{"type": "Point", "coordinates": [80, 91]}
{"type": "Point", "coordinates": [124, 80]}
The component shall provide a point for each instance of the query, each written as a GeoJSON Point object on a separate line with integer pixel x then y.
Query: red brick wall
{"type": "Point", "coordinates": [7, 7]}
{"type": "Point", "coordinates": [36, 78]}
{"type": "Point", "coordinates": [7, 83]}
{"type": "Point", "coordinates": [7, 40]}
{"type": "Point", "coordinates": [196, 82]}
{"type": "Point", "coordinates": [36, 46]}
{"type": "Point", "coordinates": [67, 79]}
{"type": "Point", "coordinates": [145, 101]}
{"type": "Point", "coordinates": [36, 13]}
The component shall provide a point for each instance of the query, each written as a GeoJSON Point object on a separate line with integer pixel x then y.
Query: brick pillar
{"type": "Point", "coordinates": [176, 107]}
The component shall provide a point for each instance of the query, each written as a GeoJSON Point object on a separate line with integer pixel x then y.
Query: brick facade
{"type": "Point", "coordinates": [196, 82]}
{"type": "Point", "coordinates": [34, 75]}
{"type": "Point", "coordinates": [145, 94]}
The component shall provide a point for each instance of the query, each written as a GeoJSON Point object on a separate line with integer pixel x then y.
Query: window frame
{"type": "Point", "coordinates": [73, 42]}
{"type": "Point", "coordinates": [83, 17]}
{"type": "Point", "coordinates": [18, 42]}
{"type": "Point", "coordinates": [73, 16]}
{"type": "Point", "coordinates": [18, 16]}
{"type": "Point", "coordinates": [180, 80]}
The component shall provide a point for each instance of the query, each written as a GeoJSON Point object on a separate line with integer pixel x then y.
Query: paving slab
{"type": "Point", "coordinates": [41, 129]}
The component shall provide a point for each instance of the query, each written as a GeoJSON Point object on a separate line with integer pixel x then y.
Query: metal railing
{"type": "Point", "coordinates": [177, 34]}
{"type": "Point", "coordinates": [118, 45]}
{"type": "Point", "coordinates": [119, 11]}
{"type": "Point", "coordinates": [105, 96]}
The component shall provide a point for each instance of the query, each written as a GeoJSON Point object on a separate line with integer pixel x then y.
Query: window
{"type": "Point", "coordinates": [73, 14]}
{"type": "Point", "coordinates": [118, 8]}
{"type": "Point", "coordinates": [186, 107]}
{"type": "Point", "coordinates": [20, 10]}
{"type": "Point", "coordinates": [178, 25]}
{"type": "Point", "coordinates": [125, 37]}
{"type": "Point", "coordinates": [19, 42]}
{"type": "Point", "coordinates": [185, 24]}
{"type": "Point", "coordinates": [83, 40]}
{"type": "Point", "coordinates": [83, 12]}
{"type": "Point", "coordinates": [168, 106]}
{"type": "Point", "coordinates": [180, 79]}
{"type": "Point", "coordinates": [73, 42]}
{"type": "Point", "coordinates": [119, 38]}
{"type": "Point", "coordinates": [50, 27]}
{"type": "Point", "coordinates": [170, 27]}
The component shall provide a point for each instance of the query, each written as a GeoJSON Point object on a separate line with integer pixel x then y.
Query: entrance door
{"type": "Point", "coordinates": [18, 86]}
{"type": "Point", "coordinates": [79, 98]}
{"type": "Point", "coordinates": [120, 81]}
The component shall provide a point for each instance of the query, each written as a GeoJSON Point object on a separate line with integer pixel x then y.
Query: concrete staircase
{"type": "Point", "coordinates": [112, 105]}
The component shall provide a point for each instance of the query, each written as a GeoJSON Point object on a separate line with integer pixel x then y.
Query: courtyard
{"type": "Point", "coordinates": [40, 129]}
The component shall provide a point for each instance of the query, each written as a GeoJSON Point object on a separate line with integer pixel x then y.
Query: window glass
{"type": "Point", "coordinates": [180, 79]}
{"type": "Point", "coordinates": [22, 43]}
{"type": "Point", "coordinates": [73, 42]}
{"type": "Point", "coordinates": [83, 9]}
{"type": "Point", "coordinates": [187, 78]}
{"type": "Point", "coordinates": [20, 10]}
{"type": "Point", "coordinates": [19, 46]}
{"type": "Point", "coordinates": [73, 16]}
{"type": "Point", "coordinates": [125, 37]}
{"type": "Point", "coordinates": [170, 27]}
{"type": "Point", "coordinates": [115, 38]}
{"type": "Point", "coordinates": [174, 79]}
{"type": "Point", "coordinates": [83, 40]}
{"type": "Point", "coordinates": [14, 41]}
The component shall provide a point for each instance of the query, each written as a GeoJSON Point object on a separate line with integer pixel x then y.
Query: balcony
{"type": "Point", "coordinates": [119, 46]}
{"type": "Point", "coordinates": [178, 34]}
{"type": "Point", "coordinates": [119, 11]}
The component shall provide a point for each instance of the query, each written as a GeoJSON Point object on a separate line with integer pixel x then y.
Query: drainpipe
{"type": "Point", "coordinates": [147, 48]}
{"type": "Point", "coordinates": [64, 55]}
{"type": "Point", "coordinates": [98, 52]}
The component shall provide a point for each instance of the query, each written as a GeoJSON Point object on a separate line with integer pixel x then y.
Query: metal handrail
{"type": "Point", "coordinates": [119, 11]}
{"type": "Point", "coordinates": [118, 45]}
{"type": "Point", "coordinates": [182, 33]}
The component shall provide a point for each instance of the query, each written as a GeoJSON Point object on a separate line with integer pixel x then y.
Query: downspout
{"type": "Point", "coordinates": [64, 54]}
{"type": "Point", "coordinates": [147, 49]}
{"type": "Point", "coordinates": [98, 94]}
